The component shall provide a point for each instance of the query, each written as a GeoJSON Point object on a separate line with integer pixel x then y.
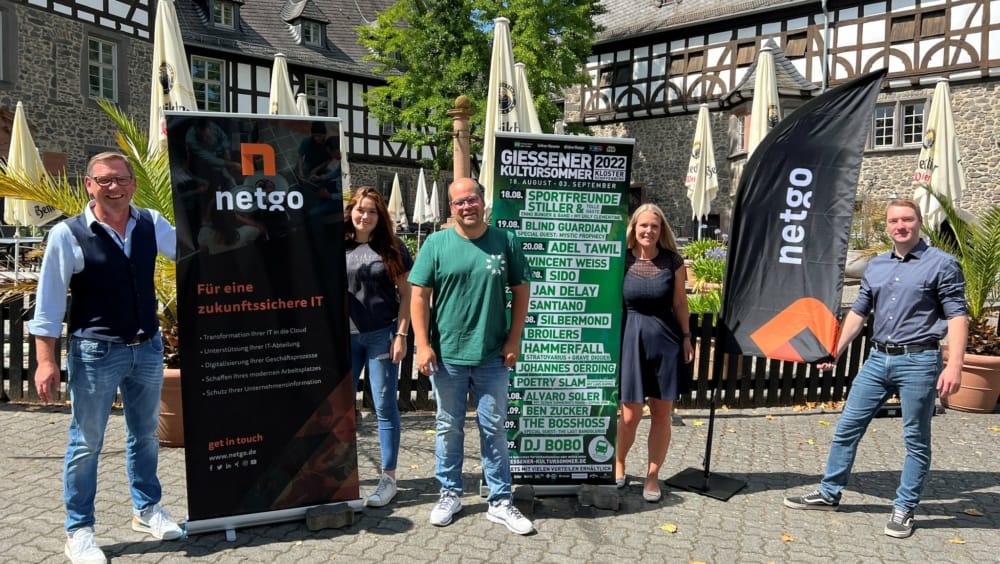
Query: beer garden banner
{"type": "Point", "coordinates": [566, 199]}
{"type": "Point", "coordinates": [265, 374]}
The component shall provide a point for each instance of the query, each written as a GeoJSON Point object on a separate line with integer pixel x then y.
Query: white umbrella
{"type": "Point", "coordinates": [302, 104]}
{"type": "Point", "coordinates": [281, 100]}
{"type": "Point", "coordinates": [172, 88]}
{"type": "Point", "coordinates": [396, 211]}
{"type": "Point", "coordinates": [701, 180]}
{"type": "Point", "coordinates": [501, 102]}
{"type": "Point", "coordinates": [345, 166]}
{"type": "Point", "coordinates": [766, 110]}
{"type": "Point", "coordinates": [435, 203]}
{"type": "Point", "coordinates": [421, 207]}
{"type": "Point", "coordinates": [939, 171]}
{"type": "Point", "coordinates": [527, 117]}
{"type": "Point", "coordinates": [22, 155]}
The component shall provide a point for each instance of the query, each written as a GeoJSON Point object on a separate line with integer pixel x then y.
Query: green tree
{"type": "Point", "coordinates": [432, 51]}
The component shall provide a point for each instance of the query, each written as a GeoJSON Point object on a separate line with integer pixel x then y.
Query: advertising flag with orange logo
{"type": "Point", "coordinates": [790, 227]}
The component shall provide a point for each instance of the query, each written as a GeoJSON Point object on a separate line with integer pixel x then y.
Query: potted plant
{"type": "Point", "coordinates": [153, 191]}
{"type": "Point", "coordinates": [976, 245]}
{"type": "Point", "coordinates": [867, 238]}
{"type": "Point", "coordinates": [696, 250]}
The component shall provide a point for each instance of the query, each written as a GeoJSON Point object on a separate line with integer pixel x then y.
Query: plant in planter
{"type": "Point", "coordinates": [976, 245]}
{"type": "Point", "coordinates": [867, 237]}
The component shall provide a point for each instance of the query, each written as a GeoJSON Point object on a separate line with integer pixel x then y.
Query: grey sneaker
{"type": "Point", "coordinates": [814, 500]}
{"type": "Point", "coordinates": [156, 521]}
{"type": "Point", "coordinates": [900, 524]}
{"type": "Point", "coordinates": [81, 547]}
{"type": "Point", "coordinates": [384, 492]}
{"type": "Point", "coordinates": [446, 508]}
{"type": "Point", "coordinates": [506, 513]}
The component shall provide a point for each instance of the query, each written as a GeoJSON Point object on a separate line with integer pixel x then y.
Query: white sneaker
{"type": "Point", "coordinates": [156, 521]}
{"type": "Point", "coordinates": [81, 547]}
{"type": "Point", "coordinates": [506, 513]}
{"type": "Point", "coordinates": [384, 492]}
{"type": "Point", "coordinates": [446, 508]}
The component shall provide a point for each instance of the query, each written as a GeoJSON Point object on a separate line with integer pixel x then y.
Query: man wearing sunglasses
{"type": "Point", "coordinates": [466, 340]}
{"type": "Point", "coordinates": [105, 257]}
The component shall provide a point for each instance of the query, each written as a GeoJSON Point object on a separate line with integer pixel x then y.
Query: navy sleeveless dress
{"type": "Point", "coordinates": [651, 350]}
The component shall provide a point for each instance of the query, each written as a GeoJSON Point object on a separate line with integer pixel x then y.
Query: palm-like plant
{"type": "Point", "coordinates": [152, 172]}
{"type": "Point", "coordinates": [976, 245]}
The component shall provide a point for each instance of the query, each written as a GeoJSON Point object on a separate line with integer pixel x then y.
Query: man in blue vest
{"type": "Point", "coordinates": [105, 257]}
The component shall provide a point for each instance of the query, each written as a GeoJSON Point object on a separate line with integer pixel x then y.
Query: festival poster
{"type": "Point", "coordinates": [565, 198]}
{"type": "Point", "coordinates": [265, 372]}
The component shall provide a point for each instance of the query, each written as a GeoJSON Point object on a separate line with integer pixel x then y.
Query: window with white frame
{"type": "Point", "coordinates": [319, 95]}
{"type": "Point", "coordinates": [312, 33]}
{"type": "Point", "coordinates": [224, 14]}
{"type": "Point", "coordinates": [101, 65]}
{"type": "Point", "coordinates": [208, 80]}
{"type": "Point", "coordinates": [898, 124]}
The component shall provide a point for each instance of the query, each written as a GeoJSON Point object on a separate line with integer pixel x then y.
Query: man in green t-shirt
{"type": "Point", "coordinates": [465, 340]}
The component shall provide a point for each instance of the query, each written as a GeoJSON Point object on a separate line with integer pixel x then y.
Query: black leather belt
{"type": "Point", "coordinates": [138, 339]}
{"type": "Point", "coordinates": [891, 349]}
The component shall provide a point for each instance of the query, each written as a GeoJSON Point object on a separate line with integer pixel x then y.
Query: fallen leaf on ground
{"type": "Point", "coordinates": [956, 540]}
{"type": "Point", "coordinates": [973, 512]}
{"type": "Point", "coordinates": [414, 466]}
{"type": "Point", "coordinates": [668, 527]}
{"type": "Point", "coordinates": [730, 430]}
{"type": "Point", "coordinates": [797, 408]}
{"type": "Point", "coordinates": [770, 417]}
{"type": "Point", "coordinates": [430, 432]}
{"type": "Point", "coordinates": [787, 537]}
{"type": "Point", "coordinates": [995, 428]}
{"type": "Point", "coordinates": [697, 422]}
{"type": "Point", "coordinates": [811, 441]}
{"type": "Point", "coordinates": [824, 422]}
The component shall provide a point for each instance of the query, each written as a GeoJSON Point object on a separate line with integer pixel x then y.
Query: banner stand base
{"type": "Point", "coordinates": [230, 523]}
{"type": "Point", "coordinates": [712, 485]}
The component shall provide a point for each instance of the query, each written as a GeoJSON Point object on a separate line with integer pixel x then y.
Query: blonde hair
{"type": "Point", "coordinates": [108, 156]}
{"type": "Point", "coordinates": [667, 240]}
{"type": "Point", "coordinates": [907, 203]}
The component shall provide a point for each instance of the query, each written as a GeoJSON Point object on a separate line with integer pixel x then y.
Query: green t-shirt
{"type": "Point", "coordinates": [468, 278]}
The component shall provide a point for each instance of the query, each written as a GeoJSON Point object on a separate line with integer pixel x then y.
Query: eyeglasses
{"type": "Point", "coordinates": [470, 201]}
{"type": "Point", "coordinates": [105, 181]}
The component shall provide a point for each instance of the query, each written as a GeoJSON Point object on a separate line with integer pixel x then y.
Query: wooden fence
{"type": "Point", "coordinates": [745, 381]}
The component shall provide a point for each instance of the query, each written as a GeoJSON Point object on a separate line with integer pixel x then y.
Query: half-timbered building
{"type": "Point", "coordinates": [656, 61]}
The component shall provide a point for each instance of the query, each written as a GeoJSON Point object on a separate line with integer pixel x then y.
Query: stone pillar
{"type": "Point", "coordinates": [460, 115]}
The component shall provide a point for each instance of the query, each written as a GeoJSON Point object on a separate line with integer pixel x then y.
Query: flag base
{"type": "Point", "coordinates": [712, 485]}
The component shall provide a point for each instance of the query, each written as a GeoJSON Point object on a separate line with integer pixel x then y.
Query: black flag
{"type": "Point", "coordinates": [790, 227]}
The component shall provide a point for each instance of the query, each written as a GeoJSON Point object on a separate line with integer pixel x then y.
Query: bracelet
{"type": "Point", "coordinates": [398, 334]}
{"type": "Point", "coordinates": [686, 335]}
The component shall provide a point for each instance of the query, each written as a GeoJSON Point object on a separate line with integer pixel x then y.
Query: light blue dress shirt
{"type": "Point", "coordinates": [64, 258]}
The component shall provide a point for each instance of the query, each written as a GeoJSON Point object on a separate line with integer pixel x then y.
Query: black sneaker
{"type": "Point", "coordinates": [814, 500]}
{"type": "Point", "coordinates": [900, 525]}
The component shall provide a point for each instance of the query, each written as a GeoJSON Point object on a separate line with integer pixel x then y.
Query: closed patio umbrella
{"type": "Point", "coordinates": [22, 155]}
{"type": "Point", "coordinates": [701, 180]}
{"type": "Point", "coordinates": [396, 211]}
{"type": "Point", "coordinates": [172, 88]}
{"type": "Point", "coordinates": [501, 103]}
{"type": "Point", "coordinates": [939, 172]}
{"type": "Point", "coordinates": [766, 109]}
{"type": "Point", "coordinates": [281, 100]}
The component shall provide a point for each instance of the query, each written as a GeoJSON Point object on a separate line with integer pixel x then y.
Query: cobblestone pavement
{"type": "Point", "coordinates": [779, 451]}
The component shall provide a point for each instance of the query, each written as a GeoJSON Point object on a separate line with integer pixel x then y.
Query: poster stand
{"type": "Point", "coordinates": [704, 482]}
{"type": "Point", "coordinates": [230, 523]}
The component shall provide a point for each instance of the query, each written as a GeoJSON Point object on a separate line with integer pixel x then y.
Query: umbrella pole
{"type": "Point", "coordinates": [17, 252]}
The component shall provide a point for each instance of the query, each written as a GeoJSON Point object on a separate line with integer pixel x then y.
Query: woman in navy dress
{"type": "Point", "coordinates": [656, 340]}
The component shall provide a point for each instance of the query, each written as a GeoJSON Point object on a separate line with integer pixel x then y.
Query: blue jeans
{"type": "Point", "coordinates": [914, 378]}
{"type": "Point", "coordinates": [96, 370]}
{"type": "Point", "coordinates": [489, 387]}
{"type": "Point", "coordinates": [375, 348]}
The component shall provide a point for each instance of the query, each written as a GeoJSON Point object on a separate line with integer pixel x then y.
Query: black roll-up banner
{"type": "Point", "coordinates": [790, 226]}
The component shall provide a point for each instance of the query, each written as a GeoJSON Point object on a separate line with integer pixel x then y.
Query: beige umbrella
{"type": "Point", "coordinates": [396, 211]}
{"type": "Point", "coordinates": [421, 205]}
{"type": "Point", "coordinates": [939, 171]}
{"type": "Point", "coordinates": [701, 180]}
{"type": "Point", "coordinates": [302, 104]}
{"type": "Point", "coordinates": [281, 101]}
{"type": "Point", "coordinates": [23, 156]}
{"type": "Point", "coordinates": [527, 115]}
{"type": "Point", "coordinates": [171, 84]}
{"type": "Point", "coordinates": [435, 204]}
{"type": "Point", "coordinates": [766, 110]}
{"type": "Point", "coordinates": [501, 102]}
{"type": "Point", "coordinates": [345, 166]}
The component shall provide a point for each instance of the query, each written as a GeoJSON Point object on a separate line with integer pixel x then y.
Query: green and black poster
{"type": "Point", "coordinates": [566, 199]}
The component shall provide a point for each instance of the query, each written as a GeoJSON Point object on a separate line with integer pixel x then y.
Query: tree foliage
{"type": "Point", "coordinates": [432, 51]}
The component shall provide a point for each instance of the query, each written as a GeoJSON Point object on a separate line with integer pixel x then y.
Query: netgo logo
{"type": "Point", "coordinates": [265, 195]}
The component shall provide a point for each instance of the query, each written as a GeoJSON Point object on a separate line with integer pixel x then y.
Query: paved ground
{"type": "Point", "coordinates": [778, 451]}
